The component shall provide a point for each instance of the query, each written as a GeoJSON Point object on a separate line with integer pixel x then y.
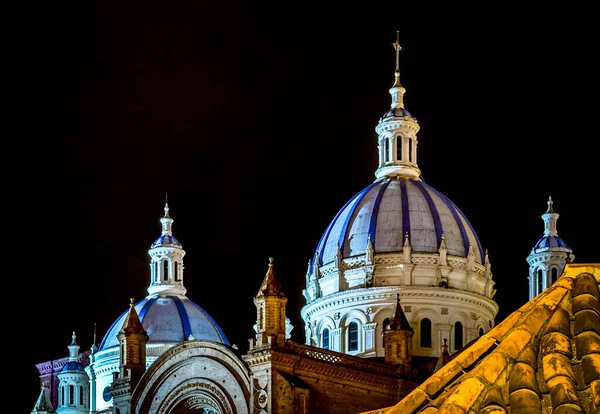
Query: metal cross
{"type": "Point", "coordinates": [398, 49]}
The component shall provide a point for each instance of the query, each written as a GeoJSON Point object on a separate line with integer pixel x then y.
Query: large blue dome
{"type": "Point", "coordinates": [169, 319]}
{"type": "Point", "coordinates": [388, 209]}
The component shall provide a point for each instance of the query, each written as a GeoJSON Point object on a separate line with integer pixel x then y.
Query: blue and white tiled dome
{"type": "Point", "coordinates": [397, 113]}
{"type": "Point", "coordinates": [166, 240]}
{"type": "Point", "coordinates": [550, 241]}
{"type": "Point", "coordinates": [390, 208]}
{"type": "Point", "coordinates": [170, 320]}
{"type": "Point", "coordinates": [73, 366]}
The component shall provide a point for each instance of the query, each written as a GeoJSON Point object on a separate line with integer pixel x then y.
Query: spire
{"type": "Point", "coordinates": [270, 285]}
{"type": "Point", "coordinates": [398, 49]}
{"type": "Point", "coordinates": [397, 91]}
{"type": "Point", "coordinates": [397, 130]}
{"type": "Point", "coordinates": [132, 323]}
{"type": "Point", "coordinates": [550, 218]}
{"type": "Point", "coordinates": [550, 202]}
{"type": "Point", "coordinates": [444, 356]}
{"type": "Point", "coordinates": [443, 251]}
{"type": "Point", "coordinates": [270, 311]}
{"type": "Point", "coordinates": [398, 319]}
{"type": "Point", "coordinates": [166, 221]}
{"type": "Point", "coordinates": [43, 403]}
{"type": "Point", "coordinates": [73, 349]}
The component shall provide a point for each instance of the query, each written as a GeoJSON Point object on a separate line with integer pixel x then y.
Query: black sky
{"type": "Point", "coordinates": [258, 121]}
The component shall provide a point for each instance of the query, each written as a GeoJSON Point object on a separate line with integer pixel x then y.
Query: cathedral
{"type": "Point", "coordinates": [398, 294]}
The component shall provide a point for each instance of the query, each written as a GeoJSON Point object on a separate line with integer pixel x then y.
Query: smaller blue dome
{"type": "Point", "coordinates": [73, 366]}
{"type": "Point", "coordinates": [166, 240]}
{"type": "Point", "coordinates": [550, 241]}
{"type": "Point", "coordinates": [397, 112]}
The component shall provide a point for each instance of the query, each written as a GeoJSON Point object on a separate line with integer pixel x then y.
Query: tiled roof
{"type": "Point", "coordinates": [543, 358]}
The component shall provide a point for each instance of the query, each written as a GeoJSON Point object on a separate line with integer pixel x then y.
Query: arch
{"type": "Point", "coordinates": [386, 151]}
{"type": "Point", "coordinates": [165, 266]}
{"type": "Point", "coordinates": [192, 374]}
{"type": "Point", "coordinates": [353, 337]}
{"type": "Point", "coordinates": [434, 318]}
{"type": "Point", "coordinates": [360, 319]}
{"type": "Point", "coordinates": [425, 333]}
{"type": "Point", "coordinates": [325, 324]}
{"type": "Point", "coordinates": [356, 315]}
{"type": "Point", "coordinates": [458, 336]}
{"type": "Point", "coordinates": [540, 280]}
{"type": "Point", "coordinates": [325, 340]}
{"type": "Point", "coordinates": [399, 140]}
{"type": "Point", "coordinates": [554, 274]}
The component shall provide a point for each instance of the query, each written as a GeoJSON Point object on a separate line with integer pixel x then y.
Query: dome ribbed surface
{"type": "Point", "coordinates": [166, 241]}
{"type": "Point", "coordinates": [397, 112]}
{"type": "Point", "coordinates": [388, 209]}
{"type": "Point", "coordinates": [169, 319]}
{"type": "Point", "coordinates": [550, 241]}
{"type": "Point", "coordinates": [73, 366]}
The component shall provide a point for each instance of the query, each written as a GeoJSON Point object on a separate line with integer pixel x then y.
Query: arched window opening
{"type": "Point", "coordinates": [540, 279]}
{"type": "Point", "coordinates": [480, 331]}
{"type": "Point", "coordinates": [62, 395]}
{"type": "Point", "coordinates": [554, 274]}
{"type": "Point", "coordinates": [385, 322]}
{"type": "Point", "coordinates": [386, 150]}
{"type": "Point", "coordinates": [71, 394]}
{"type": "Point", "coordinates": [425, 333]}
{"type": "Point", "coordinates": [80, 399]}
{"type": "Point", "coordinates": [353, 336]}
{"type": "Point", "coordinates": [165, 270]}
{"type": "Point", "coordinates": [176, 273]}
{"type": "Point", "coordinates": [410, 149]}
{"type": "Point", "coordinates": [325, 338]}
{"type": "Point", "coordinates": [458, 336]}
{"type": "Point", "coordinates": [155, 268]}
{"type": "Point", "coordinates": [399, 148]}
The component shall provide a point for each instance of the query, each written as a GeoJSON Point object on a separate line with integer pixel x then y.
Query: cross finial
{"type": "Point", "coordinates": [398, 49]}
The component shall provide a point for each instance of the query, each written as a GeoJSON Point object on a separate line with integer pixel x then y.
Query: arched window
{"type": "Point", "coordinates": [62, 396]}
{"type": "Point", "coordinates": [385, 322]}
{"type": "Point", "coordinates": [386, 150]}
{"type": "Point", "coordinates": [399, 148]}
{"type": "Point", "coordinates": [480, 331]}
{"type": "Point", "coordinates": [425, 333]}
{"type": "Point", "coordinates": [71, 394]}
{"type": "Point", "coordinates": [353, 336]}
{"type": "Point", "coordinates": [554, 274]}
{"type": "Point", "coordinates": [410, 150]}
{"type": "Point", "coordinates": [325, 338]}
{"type": "Point", "coordinates": [540, 279]}
{"type": "Point", "coordinates": [458, 336]}
{"type": "Point", "coordinates": [175, 272]}
{"type": "Point", "coordinates": [165, 270]}
{"type": "Point", "coordinates": [80, 399]}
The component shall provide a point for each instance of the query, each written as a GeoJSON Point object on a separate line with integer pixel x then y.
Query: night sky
{"type": "Point", "coordinates": [258, 123]}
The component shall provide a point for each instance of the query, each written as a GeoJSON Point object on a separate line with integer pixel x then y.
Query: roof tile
{"type": "Point", "coordinates": [523, 376]}
{"type": "Point", "coordinates": [463, 398]}
{"type": "Point", "coordinates": [515, 342]}
{"type": "Point", "coordinates": [556, 342]}
{"type": "Point", "coordinates": [525, 401]}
